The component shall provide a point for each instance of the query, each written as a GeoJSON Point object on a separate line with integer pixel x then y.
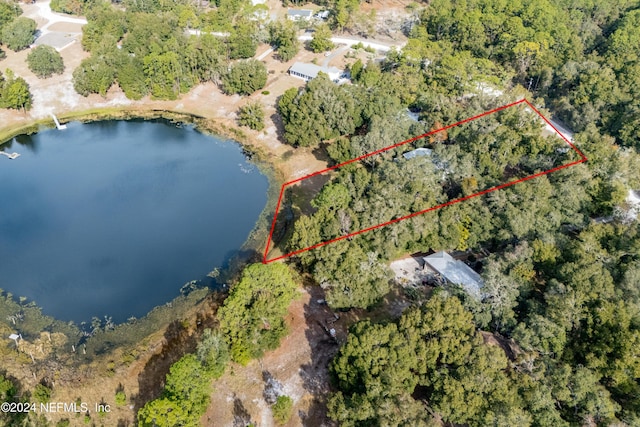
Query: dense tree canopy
{"type": "Point", "coordinates": [252, 317]}
{"type": "Point", "coordinates": [245, 77]}
{"type": "Point", "coordinates": [562, 276]}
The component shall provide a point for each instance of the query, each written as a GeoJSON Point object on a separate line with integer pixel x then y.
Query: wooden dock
{"type": "Point", "coordinates": [10, 155]}
{"type": "Point", "coordinates": [58, 125]}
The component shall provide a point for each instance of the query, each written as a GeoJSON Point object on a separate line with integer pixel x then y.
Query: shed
{"type": "Point", "coordinates": [456, 272]}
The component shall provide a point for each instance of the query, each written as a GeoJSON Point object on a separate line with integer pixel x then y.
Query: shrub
{"type": "Point", "coordinates": [121, 398]}
{"type": "Point", "coordinates": [252, 116]}
{"type": "Point", "coordinates": [42, 393]}
{"type": "Point", "coordinates": [282, 409]}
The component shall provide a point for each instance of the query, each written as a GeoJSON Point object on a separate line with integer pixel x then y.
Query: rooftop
{"type": "Point", "coordinates": [300, 12]}
{"type": "Point", "coordinates": [417, 152]}
{"type": "Point", "coordinates": [456, 272]}
{"type": "Point", "coordinates": [311, 70]}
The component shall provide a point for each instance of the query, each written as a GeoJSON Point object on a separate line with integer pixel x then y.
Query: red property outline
{"type": "Point", "coordinates": [583, 159]}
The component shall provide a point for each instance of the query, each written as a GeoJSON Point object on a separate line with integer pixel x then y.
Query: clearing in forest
{"type": "Point", "coordinates": [475, 156]}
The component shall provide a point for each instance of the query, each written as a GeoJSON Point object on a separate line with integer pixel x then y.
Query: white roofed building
{"type": "Point", "coordinates": [308, 72]}
{"type": "Point", "coordinates": [456, 272]}
{"type": "Point", "coordinates": [299, 14]}
{"type": "Point", "coordinates": [417, 152]}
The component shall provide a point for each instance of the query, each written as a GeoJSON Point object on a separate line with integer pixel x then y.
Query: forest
{"type": "Point", "coordinates": [561, 279]}
{"type": "Point", "coordinates": [561, 263]}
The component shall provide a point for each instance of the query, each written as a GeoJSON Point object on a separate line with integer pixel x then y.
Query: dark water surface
{"type": "Point", "coordinates": [112, 218]}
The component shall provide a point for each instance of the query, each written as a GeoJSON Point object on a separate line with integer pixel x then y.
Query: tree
{"type": "Point", "coordinates": [184, 399]}
{"type": "Point", "coordinates": [434, 353]}
{"type": "Point", "coordinates": [8, 11]}
{"type": "Point", "coordinates": [18, 34]}
{"type": "Point", "coordinates": [93, 75]}
{"type": "Point", "coordinates": [282, 409]}
{"type": "Point", "coordinates": [164, 412]}
{"type": "Point", "coordinates": [251, 115]}
{"type": "Point", "coordinates": [165, 76]}
{"type": "Point", "coordinates": [322, 111]}
{"type": "Point", "coordinates": [14, 93]}
{"type": "Point", "coordinates": [251, 318]}
{"type": "Point", "coordinates": [213, 353]}
{"type": "Point", "coordinates": [245, 77]}
{"type": "Point", "coordinates": [242, 42]}
{"type": "Point", "coordinates": [44, 61]}
{"type": "Point", "coordinates": [321, 39]}
{"type": "Point", "coordinates": [283, 36]}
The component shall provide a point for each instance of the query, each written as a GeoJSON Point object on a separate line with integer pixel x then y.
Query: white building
{"type": "Point", "coordinates": [299, 14]}
{"type": "Point", "coordinates": [308, 72]}
{"type": "Point", "coordinates": [456, 272]}
{"type": "Point", "coordinates": [417, 152]}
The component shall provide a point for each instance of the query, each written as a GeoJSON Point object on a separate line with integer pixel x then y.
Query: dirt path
{"type": "Point", "coordinates": [299, 365]}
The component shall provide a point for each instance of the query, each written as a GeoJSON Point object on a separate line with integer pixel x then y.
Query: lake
{"type": "Point", "coordinates": [113, 218]}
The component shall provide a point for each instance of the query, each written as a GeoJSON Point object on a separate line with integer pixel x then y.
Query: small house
{"type": "Point", "coordinates": [299, 14]}
{"type": "Point", "coordinates": [455, 272]}
{"type": "Point", "coordinates": [417, 152]}
{"type": "Point", "coordinates": [308, 72]}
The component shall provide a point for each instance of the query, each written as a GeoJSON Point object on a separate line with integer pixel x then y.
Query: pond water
{"type": "Point", "coordinates": [113, 218]}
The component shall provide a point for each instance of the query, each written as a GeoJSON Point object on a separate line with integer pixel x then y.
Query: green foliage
{"type": "Point", "coordinates": [213, 353]}
{"type": "Point", "coordinates": [321, 39]}
{"type": "Point", "coordinates": [42, 393]}
{"type": "Point", "coordinates": [245, 77]}
{"type": "Point", "coordinates": [185, 397]}
{"type": "Point", "coordinates": [7, 389]}
{"type": "Point", "coordinates": [74, 7]}
{"type": "Point", "coordinates": [251, 115]}
{"type": "Point", "coordinates": [19, 33]}
{"type": "Point", "coordinates": [242, 42]}
{"type": "Point", "coordinates": [282, 409]}
{"type": "Point", "coordinates": [283, 36]}
{"type": "Point", "coordinates": [252, 317]}
{"type": "Point", "coordinates": [164, 75]}
{"type": "Point", "coordinates": [14, 92]}
{"type": "Point", "coordinates": [8, 11]}
{"type": "Point", "coordinates": [435, 348]}
{"type": "Point", "coordinates": [321, 111]}
{"type": "Point", "coordinates": [164, 412]}
{"type": "Point", "coordinates": [44, 61]}
{"type": "Point", "coordinates": [121, 398]}
{"type": "Point", "coordinates": [93, 75]}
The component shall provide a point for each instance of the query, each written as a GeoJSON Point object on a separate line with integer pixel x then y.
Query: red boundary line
{"type": "Point", "coordinates": [583, 159]}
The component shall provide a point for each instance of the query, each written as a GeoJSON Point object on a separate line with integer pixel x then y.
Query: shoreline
{"type": "Point", "coordinates": [256, 238]}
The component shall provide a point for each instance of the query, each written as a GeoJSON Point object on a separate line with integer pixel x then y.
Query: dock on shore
{"type": "Point", "coordinates": [10, 155]}
{"type": "Point", "coordinates": [58, 125]}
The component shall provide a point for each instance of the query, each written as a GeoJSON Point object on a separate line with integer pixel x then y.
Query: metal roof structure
{"type": "Point", "coordinates": [456, 272]}
{"type": "Point", "coordinates": [310, 71]}
{"type": "Point", "coordinates": [299, 13]}
{"type": "Point", "coordinates": [417, 152]}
